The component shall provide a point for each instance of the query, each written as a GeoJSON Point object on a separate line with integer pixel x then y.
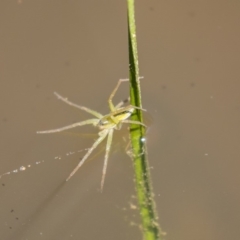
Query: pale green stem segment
{"type": "Point", "coordinates": [147, 208]}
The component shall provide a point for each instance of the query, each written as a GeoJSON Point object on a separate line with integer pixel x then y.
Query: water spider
{"type": "Point", "coordinates": [106, 124]}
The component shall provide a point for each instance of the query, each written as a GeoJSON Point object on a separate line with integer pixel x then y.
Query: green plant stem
{"type": "Point", "coordinates": [148, 213]}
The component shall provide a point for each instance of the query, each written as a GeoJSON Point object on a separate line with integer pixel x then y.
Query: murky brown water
{"type": "Point", "coordinates": [189, 56]}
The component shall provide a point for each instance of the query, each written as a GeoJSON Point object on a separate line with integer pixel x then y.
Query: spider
{"type": "Point", "coordinates": [106, 124]}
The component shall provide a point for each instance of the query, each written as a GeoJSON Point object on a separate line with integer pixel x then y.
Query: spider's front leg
{"type": "Point", "coordinates": [94, 113]}
{"type": "Point", "coordinates": [120, 104]}
{"type": "Point", "coordinates": [111, 106]}
{"type": "Point", "coordinates": [114, 91]}
{"type": "Point", "coordinates": [93, 121]}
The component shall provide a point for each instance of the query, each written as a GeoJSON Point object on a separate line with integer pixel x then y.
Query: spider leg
{"type": "Point", "coordinates": [93, 121]}
{"type": "Point", "coordinates": [122, 103]}
{"type": "Point", "coordinates": [102, 135]}
{"type": "Point", "coordinates": [111, 106]}
{"type": "Point", "coordinates": [94, 113]}
{"type": "Point", "coordinates": [108, 146]}
{"type": "Point", "coordinates": [135, 107]}
{"type": "Point", "coordinates": [134, 122]}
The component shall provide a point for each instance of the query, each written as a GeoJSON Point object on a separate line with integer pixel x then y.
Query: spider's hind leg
{"type": "Point", "coordinates": [101, 137]}
{"type": "Point", "coordinates": [108, 146]}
